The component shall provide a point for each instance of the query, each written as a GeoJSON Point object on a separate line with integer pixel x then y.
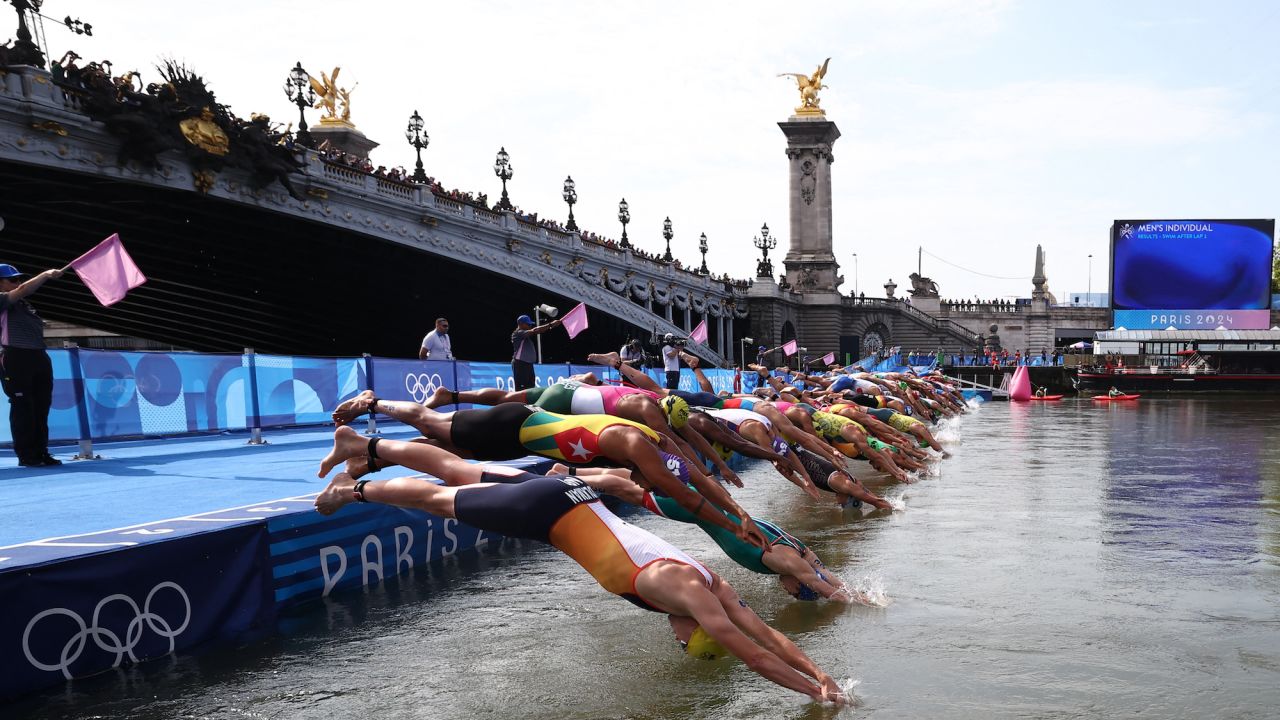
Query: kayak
{"type": "Point", "coordinates": [1108, 398]}
{"type": "Point", "coordinates": [1047, 397]}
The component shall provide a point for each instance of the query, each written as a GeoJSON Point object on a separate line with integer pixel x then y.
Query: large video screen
{"type": "Point", "coordinates": [1191, 274]}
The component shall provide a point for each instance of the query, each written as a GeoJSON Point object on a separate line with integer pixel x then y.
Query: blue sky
{"type": "Point", "coordinates": [972, 129]}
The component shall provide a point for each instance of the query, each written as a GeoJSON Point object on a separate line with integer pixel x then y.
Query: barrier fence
{"type": "Point", "coordinates": [101, 395]}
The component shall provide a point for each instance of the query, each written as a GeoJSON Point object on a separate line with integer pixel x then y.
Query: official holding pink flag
{"type": "Point", "coordinates": [25, 370]}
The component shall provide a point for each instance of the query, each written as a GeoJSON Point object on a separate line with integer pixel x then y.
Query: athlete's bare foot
{"type": "Point", "coordinates": [347, 444]}
{"type": "Point", "coordinates": [332, 498]}
{"type": "Point", "coordinates": [611, 359]}
{"type": "Point", "coordinates": [442, 396]}
{"type": "Point", "coordinates": [357, 467]}
{"type": "Point", "coordinates": [351, 409]}
{"type": "Point", "coordinates": [689, 359]}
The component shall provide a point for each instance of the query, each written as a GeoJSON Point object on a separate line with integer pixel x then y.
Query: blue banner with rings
{"type": "Point", "coordinates": [85, 615]}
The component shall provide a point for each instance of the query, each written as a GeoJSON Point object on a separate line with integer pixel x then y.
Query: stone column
{"type": "Point", "coordinates": [811, 266]}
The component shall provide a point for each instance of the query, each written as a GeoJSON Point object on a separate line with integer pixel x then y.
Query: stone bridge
{"type": "Point", "coordinates": [363, 264]}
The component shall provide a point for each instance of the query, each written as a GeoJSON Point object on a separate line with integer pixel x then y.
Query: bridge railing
{"type": "Point", "coordinates": [101, 395]}
{"type": "Point", "coordinates": [900, 305]}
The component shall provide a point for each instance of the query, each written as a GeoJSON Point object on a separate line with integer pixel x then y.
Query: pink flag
{"type": "Point", "coordinates": [789, 348]}
{"type": "Point", "coordinates": [108, 271]}
{"type": "Point", "coordinates": [828, 358]}
{"type": "Point", "coordinates": [575, 321]}
{"type": "Point", "coordinates": [699, 334]}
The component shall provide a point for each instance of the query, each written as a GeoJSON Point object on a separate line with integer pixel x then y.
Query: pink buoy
{"type": "Point", "coordinates": [1020, 386]}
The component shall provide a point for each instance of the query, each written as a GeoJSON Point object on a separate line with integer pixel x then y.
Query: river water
{"type": "Point", "coordinates": [1071, 560]}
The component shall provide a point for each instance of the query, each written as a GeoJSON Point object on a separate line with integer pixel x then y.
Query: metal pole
{"type": "Point", "coordinates": [255, 418]}
{"type": "Point", "coordinates": [368, 381]}
{"type": "Point", "coordinates": [537, 316]}
{"type": "Point", "coordinates": [82, 411]}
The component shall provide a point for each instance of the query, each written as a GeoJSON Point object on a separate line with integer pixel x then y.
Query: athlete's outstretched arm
{"type": "Point", "coordinates": [703, 447]}
{"type": "Point", "coordinates": [681, 590]}
{"type": "Point", "coordinates": [780, 645]}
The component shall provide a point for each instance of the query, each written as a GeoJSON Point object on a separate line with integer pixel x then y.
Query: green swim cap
{"type": "Point", "coordinates": [676, 410]}
{"type": "Point", "coordinates": [703, 647]}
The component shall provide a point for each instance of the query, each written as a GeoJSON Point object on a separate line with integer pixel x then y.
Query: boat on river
{"type": "Point", "coordinates": [1154, 361]}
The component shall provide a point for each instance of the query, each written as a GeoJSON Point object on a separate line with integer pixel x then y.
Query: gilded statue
{"type": "Point", "coordinates": [204, 133]}
{"type": "Point", "coordinates": [809, 85]}
{"type": "Point", "coordinates": [329, 96]}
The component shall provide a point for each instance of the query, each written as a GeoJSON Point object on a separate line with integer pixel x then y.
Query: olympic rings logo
{"type": "Point", "coordinates": [103, 637]}
{"type": "Point", "coordinates": [421, 386]}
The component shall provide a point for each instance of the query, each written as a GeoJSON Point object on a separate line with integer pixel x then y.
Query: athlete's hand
{"type": "Point", "coordinates": [831, 691]}
{"type": "Point", "coordinates": [731, 476]}
{"type": "Point", "coordinates": [748, 532]}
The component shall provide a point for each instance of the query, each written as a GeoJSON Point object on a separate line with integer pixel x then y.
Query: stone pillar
{"type": "Point", "coordinates": [811, 266]}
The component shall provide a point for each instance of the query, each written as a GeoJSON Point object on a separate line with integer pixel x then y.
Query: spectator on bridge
{"type": "Point", "coordinates": [437, 345]}
{"type": "Point", "coordinates": [523, 352]}
{"type": "Point", "coordinates": [28, 374]}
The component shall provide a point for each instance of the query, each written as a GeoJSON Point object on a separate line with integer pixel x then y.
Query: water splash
{"type": "Point", "coordinates": [868, 590]}
{"type": "Point", "coordinates": [898, 502]}
{"type": "Point", "coordinates": [847, 687]}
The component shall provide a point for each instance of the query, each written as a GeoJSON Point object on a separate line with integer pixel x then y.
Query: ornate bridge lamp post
{"type": "Point", "coordinates": [25, 51]}
{"type": "Point", "coordinates": [570, 195]}
{"type": "Point", "coordinates": [297, 87]}
{"type": "Point", "coordinates": [764, 243]}
{"type": "Point", "coordinates": [667, 234]}
{"type": "Point", "coordinates": [702, 247]}
{"type": "Point", "coordinates": [624, 217]}
{"type": "Point", "coordinates": [502, 168]}
{"type": "Point", "coordinates": [419, 139]}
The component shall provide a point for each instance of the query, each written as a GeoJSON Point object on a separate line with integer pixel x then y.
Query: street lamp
{"type": "Point", "coordinates": [764, 243]}
{"type": "Point", "coordinates": [702, 247]}
{"type": "Point", "coordinates": [624, 217]}
{"type": "Point", "coordinates": [570, 196]}
{"type": "Point", "coordinates": [1090, 294]}
{"type": "Point", "coordinates": [667, 234]}
{"type": "Point", "coordinates": [502, 168]}
{"type": "Point", "coordinates": [855, 274]}
{"type": "Point", "coordinates": [297, 87]}
{"type": "Point", "coordinates": [418, 138]}
{"type": "Point", "coordinates": [25, 51]}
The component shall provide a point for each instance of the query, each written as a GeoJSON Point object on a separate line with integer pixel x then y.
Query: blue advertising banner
{"type": "Point", "coordinates": [304, 390]}
{"type": "Point", "coordinates": [81, 616]}
{"type": "Point", "coordinates": [136, 393]}
{"type": "Point", "coordinates": [313, 555]}
{"type": "Point", "coordinates": [412, 380]}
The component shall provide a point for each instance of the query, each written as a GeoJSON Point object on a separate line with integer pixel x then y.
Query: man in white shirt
{"type": "Point", "coordinates": [436, 345]}
{"type": "Point", "coordinates": [671, 361]}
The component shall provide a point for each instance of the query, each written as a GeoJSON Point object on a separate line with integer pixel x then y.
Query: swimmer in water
{"type": "Point", "coordinates": [798, 568]}
{"type": "Point", "coordinates": [511, 431]}
{"type": "Point", "coordinates": [703, 609]}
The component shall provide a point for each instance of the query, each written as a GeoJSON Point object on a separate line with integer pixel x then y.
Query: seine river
{"type": "Point", "coordinates": [1071, 560]}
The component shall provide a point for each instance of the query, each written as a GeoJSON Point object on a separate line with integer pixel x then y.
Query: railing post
{"type": "Point", "coordinates": [368, 385]}
{"type": "Point", "coordinates": [255, 415]}
{"type": "Point", "coordinates": [82, 412]}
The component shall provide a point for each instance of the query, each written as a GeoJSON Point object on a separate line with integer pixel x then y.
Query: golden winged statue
{"type": "Point", "coordinates": [809, 85]}
{"type": "Point", "coordinates": [328, 95]}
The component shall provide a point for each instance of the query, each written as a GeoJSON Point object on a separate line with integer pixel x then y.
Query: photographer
{"type": "Point", "coordinates": [631, 354]}
{"type": "Point", "coordinates": [671, 360]}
